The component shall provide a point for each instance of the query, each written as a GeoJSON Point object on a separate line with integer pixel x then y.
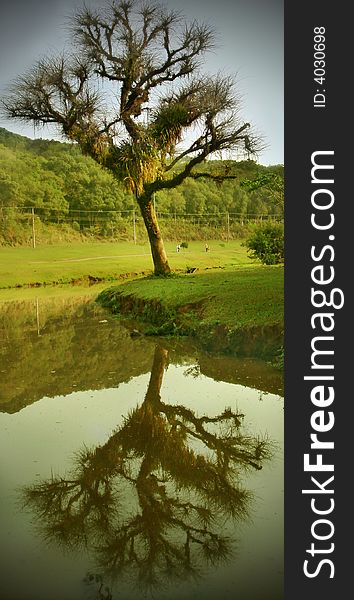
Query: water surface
{"type": "Point", "coordinates": [134, 467]}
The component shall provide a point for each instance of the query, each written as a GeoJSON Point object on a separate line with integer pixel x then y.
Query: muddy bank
{"type": "Point", "coordinates": [186, 320]}
{"type": "Point", "coordinates": [85, 280]}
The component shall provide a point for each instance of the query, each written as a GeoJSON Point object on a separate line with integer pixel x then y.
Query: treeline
{"type": "Point", "coordinates": [66, 189]}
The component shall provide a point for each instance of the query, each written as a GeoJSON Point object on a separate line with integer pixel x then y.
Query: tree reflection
{"type": "Point", "coordinates": [152, 500]}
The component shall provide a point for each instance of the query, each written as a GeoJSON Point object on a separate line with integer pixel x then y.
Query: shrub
{"type": "Point", "coordinates": [267, 243]}
{"type": "Point", "coordinates": [76, 226]}
{"type": "Point", "coordinates": [184, 245]}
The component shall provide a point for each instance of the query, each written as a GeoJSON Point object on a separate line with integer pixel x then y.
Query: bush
{"type": "Point", "coordinates": [184, 245]}
{"type": "Point", "coordinates": [76, 226]}
{"type": "Point", "coordinates": [267, 243]}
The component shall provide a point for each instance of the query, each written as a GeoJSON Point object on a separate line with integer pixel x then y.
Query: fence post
{"type": "Point", "coordinates": [33, 230]}
{"type": "Point", "coordinates": [228, 225]}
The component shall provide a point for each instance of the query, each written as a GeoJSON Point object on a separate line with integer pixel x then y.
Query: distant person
{"type": "Point", "coordinates": [178, 247]}
{"type": "Point", "coordinates": [206, 248]}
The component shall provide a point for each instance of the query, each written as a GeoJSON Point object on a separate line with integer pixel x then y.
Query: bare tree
{"type": "Point", "coordinates": [155, 119]}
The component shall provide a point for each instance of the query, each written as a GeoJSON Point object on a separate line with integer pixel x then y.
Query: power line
{"type": "Point", "coordinates": [169, 215]}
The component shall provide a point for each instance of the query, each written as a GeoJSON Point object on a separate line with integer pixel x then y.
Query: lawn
{"type": "Point", "coordinates": [235, 298]}
{"type": "Point", "coordinates": [66, 263]}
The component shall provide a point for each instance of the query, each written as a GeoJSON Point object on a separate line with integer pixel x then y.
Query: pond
{"type": "Point", "coordinates": [134, 467]}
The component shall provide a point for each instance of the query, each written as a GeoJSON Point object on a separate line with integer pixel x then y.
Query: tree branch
{"type": "Point", "coordinates": [214, 176]}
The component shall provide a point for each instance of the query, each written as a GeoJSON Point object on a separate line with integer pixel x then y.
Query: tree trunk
{"type": "Point", "coordinates": [159, 256]}
{"type": "Point", "coordinates": [157, 372]}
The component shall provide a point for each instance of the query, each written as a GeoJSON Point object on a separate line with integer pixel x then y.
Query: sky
{"type": "Point", "coordinates": [249, 46]}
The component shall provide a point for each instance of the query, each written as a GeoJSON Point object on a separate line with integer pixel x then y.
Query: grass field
{"type": "Point", "coordinates": [67, 263]}
{"type": "Point", "coordinates": [226, 294]}
{"type": "Point", "coordinates": [235, 298]}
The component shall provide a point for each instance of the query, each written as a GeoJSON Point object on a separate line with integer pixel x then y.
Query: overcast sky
{"type": "Point", "coordinates": [250, 45]}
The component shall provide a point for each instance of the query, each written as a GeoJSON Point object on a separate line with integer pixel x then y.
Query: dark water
{"type": "Point", "coordinates": [134, 468]}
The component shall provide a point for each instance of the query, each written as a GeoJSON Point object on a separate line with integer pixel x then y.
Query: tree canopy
{"type": "Point", "coordinates": [132, 95]}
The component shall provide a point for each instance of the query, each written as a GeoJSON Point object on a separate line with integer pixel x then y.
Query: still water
{"type": "Point", "coordinates": [134, 467]}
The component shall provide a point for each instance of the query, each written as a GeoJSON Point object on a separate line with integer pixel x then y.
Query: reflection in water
{"type": "Point", "coordinates": [150, 503]}
{"type": "Point", "coordinates": [58, 346]}
{"type": "Point", "coordinates": [52, 347]}
{"type": "Point", "coordinates": [159, 500]}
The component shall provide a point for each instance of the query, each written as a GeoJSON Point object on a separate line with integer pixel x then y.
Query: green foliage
{"type": "Point", "coordinates": [278, 361]}
{"type": "Point", "coordinates": [267, 243]}
{"type": "Point", "coordinates": [272, 183]}
{"type": "Point", "coordinates": [76, 226]}
{"type": "Point", "coordinates": [66, 187]}
{"type": "Point", "coordinates": [184, 245]}
{"type": "Point", "coordinates": [59, 182]}
{"type": "Point", "coordinates": [168, 124]}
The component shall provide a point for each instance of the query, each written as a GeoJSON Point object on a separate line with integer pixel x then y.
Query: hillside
{"type": "Point", "coordinates": [69, 192]}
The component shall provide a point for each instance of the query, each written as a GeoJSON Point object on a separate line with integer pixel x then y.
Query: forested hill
{"type": "Point", "coordinates": [66, 187]}
{"type": "Point", "coordinates": [55, 176]}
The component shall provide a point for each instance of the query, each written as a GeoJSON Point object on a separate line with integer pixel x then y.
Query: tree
{"type": "Point", "coordinates": [267, 243]}
{"type": "Point", "coordinates": [135, 59]}
{"type": "Point", "coordinates": [273, 183]}
{"type": "Point", "coordinates": [267, 240]}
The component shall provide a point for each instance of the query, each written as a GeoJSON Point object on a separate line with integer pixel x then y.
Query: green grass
{"type": "Point", "coordinates": [228, 288]}
{"type": "Point", "coordinates": [237, 298]}
{"type": "Point", "coordinates": [64, 263]}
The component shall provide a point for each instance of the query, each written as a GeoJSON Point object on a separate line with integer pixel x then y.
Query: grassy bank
{"type": "Point", "coordinates": [82, 263]}
{"type": "Point", "coordinates": [237, 310]}
{"type": "Point", "coordinates": [230, 303]}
